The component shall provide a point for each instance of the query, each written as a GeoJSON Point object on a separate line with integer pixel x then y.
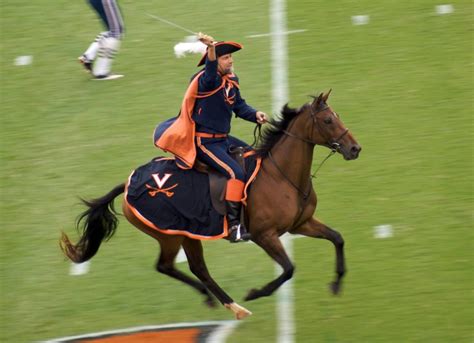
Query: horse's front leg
{"type": "Point", "coordinates": [313, 228]}
{"type": "Point", "coordinates": [273, 247]}
{"type": "Point", "coordinates": [194, 254]}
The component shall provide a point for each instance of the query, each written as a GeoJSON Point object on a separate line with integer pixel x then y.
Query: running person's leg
{"type": "Point", "coordinates": [88, 57]}
{"type": "Point", "coordinates": [109, 45]}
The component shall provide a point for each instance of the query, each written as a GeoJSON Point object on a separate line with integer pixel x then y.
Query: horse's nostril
{"type": "Point", "coordinates": [355, 148]}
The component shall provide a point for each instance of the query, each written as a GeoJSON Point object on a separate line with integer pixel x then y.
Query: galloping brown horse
{"type": "Point", "coordinates": [282, 199]}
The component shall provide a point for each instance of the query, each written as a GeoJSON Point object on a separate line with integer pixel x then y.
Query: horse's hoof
{"type": "Point", "coordinates": [239, 311]}
{"type": "Point", "coordinates": [252, 295]}
{"type": "Point", "coordinates": [210, 302]}
{"type": "Point", "coordinates": [335, 287]}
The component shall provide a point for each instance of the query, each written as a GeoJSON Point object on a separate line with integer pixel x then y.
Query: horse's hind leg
{"type": "Point", "coordinates": [194, 253]}
{"type": "Point", "coordinates": [273, 247]}
{"type": "Point", "coordinates": [169, 249]}
{"type": "Point", "coordinates": [165, 265]}
{"type": "Point", "coordinates": [316, 229]}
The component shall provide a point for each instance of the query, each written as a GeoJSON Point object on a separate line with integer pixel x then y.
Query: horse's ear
{"type": "Point", "coordinates": [318, 100]}
{"type": "Point", "coordinates": [326, 96]}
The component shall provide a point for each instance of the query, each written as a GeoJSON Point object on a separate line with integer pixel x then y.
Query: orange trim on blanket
{"type": "Point", "coordinates": [168, 231]}
{"type": "Point", "coordinates": [234, 190]}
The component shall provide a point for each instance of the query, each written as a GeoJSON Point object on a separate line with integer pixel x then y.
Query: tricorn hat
{"type": "Point", "coordinates": [222, 48]}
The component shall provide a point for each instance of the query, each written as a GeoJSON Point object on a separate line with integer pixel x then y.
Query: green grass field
{"type": "Point", "coordinates": [404, 86]}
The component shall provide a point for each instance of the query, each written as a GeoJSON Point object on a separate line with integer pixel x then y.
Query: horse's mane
{"type": "Point", "coordinates": [274, 130]}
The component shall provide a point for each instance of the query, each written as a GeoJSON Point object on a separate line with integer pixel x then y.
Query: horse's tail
{"type": "Point", "coordinates": [100, 222]}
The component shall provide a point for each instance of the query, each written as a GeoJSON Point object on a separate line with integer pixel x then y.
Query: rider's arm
{"type": "Point", "coordinates": [242, 110]}
{"type": "Point", "coordinates": [210, 79]}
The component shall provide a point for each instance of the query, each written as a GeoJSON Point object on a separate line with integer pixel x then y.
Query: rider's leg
{"type": "Point", "coordinates": [214, 152]}
{"type": "Point", "coordinates": [234, 194]}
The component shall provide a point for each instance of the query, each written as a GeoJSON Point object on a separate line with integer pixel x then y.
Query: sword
{"type": "Point", "coordinates": [171, 23]}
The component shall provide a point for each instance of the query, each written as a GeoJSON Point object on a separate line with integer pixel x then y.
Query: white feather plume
{"type": "Point", "coordinates": [181, 49]}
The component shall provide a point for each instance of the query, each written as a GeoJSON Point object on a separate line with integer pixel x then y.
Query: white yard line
{"type": "Point", "coordinates": [280, 96]}
{"type": "Point", "coordinates": [271, 33]}
{"type": "Point", "coordinates": [285, 300]}
{"type": "Point", "coordinates": [444, 9]}
{"type": "Point", "coordinates": [383, 231]}
{"type": "Point", "coordinates": [220, 334]}
{"type": "Point", "coordinates": [279, 48]}
{"type": "Point", "coordinates": [181, 257]}
{"type": "Point", "coordinates": [23, 60]}
{"type": "Point", "coordinates": [77, 269]}
{"type": "Point", "coordinates": [360, 19]}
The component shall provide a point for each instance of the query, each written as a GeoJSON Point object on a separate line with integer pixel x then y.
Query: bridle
{"type": "Point", "coordinates": [332, 144]}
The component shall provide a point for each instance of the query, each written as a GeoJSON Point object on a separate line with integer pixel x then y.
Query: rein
{"type": "Point", "coordinates": [304, 194]}
{"type": "Point", "coordinates": [256, 136]}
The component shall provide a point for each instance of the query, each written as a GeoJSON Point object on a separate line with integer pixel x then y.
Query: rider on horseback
{"type": "Point", "coordinates": [207, 110]}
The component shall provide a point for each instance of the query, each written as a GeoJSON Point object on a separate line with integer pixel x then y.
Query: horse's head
{"type": "Point", "coordinates": [328, 130]}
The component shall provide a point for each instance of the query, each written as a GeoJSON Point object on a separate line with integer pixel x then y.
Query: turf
{"type": "Point", "coordinates": [402, 84]}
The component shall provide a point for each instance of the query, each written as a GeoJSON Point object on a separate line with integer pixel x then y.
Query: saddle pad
{"type": "Point", "coordinates": [176, 201]}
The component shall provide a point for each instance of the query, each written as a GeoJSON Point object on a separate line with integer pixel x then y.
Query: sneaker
{"type": "Point", "coordinates": [86, 63]}
{"type": "Point", "coordinates": [107, 77]}
{"type": "Point", "coordinates": [236, 235]}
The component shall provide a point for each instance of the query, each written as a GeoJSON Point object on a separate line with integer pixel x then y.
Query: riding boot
{"type": "Point", "coordinates": [237, 231]}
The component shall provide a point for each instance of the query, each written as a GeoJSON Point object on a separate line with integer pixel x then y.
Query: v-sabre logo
{"type": "Point", "coordinates": [160, 182]}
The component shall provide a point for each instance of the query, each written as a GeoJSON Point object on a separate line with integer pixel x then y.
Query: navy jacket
{"type": "Point", "coordinates": [213, 114]}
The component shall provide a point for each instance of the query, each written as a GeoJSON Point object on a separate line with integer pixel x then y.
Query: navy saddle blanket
{"type": "Point", "coordinates": [176, 201]}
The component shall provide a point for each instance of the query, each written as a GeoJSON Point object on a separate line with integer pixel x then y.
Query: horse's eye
{"type": "Point", "coordinates": [328, 120]}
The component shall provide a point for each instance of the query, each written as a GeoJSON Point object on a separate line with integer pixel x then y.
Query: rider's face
{"type": "Point", "coordinates": [225, 64]}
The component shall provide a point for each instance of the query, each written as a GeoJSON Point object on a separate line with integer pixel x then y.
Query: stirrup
{"type": "Point", "coordinates": [236, 236]}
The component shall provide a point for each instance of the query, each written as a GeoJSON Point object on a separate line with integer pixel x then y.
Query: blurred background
{"type": "Point", "coordinates": [402, 80]}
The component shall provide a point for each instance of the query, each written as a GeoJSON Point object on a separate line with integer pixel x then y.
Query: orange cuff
{"type": "Point", "coordinates": [234, 190]}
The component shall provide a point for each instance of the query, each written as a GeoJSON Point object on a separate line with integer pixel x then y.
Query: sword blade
{"type": "Point", "coordinates": [171, 23]}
